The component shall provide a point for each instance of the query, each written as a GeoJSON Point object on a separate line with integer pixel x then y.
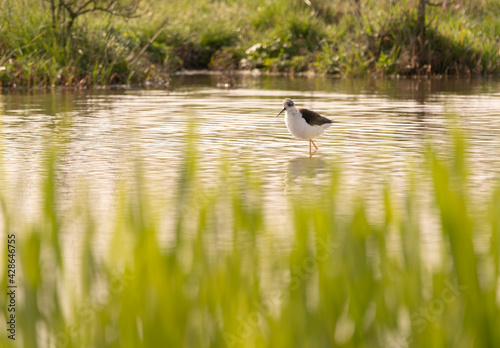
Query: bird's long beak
{"type": "Point", "coordinates": [281, 112]}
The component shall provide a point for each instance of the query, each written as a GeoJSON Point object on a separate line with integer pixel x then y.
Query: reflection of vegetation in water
{"type": "Point", "coordinates": [224, 278]}
{"type": "Point", "coordinates": [41, 43]}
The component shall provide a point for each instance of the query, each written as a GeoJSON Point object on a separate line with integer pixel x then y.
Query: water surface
{"type": "Point", "coordinates": [382, 130]}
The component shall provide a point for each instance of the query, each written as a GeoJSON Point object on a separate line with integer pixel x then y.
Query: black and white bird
{"type": "Point", "coordinates": [304, 124]}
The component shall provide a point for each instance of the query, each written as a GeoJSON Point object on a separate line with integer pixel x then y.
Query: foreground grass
{"type": "Point", "coordinates": [225, 279]}
{"type": "Point", "coordinates": [334, 37]}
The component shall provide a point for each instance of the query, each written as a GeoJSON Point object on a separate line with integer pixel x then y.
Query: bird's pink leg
{"type": "Point", "coordinates": [313, 143]}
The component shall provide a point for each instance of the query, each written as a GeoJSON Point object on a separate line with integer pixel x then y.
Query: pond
{"type": "Point", "coordinates": [381, 133]}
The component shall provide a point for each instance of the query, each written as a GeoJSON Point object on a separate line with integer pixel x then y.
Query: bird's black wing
{"type": "Point", "coordinates": [314, 119]}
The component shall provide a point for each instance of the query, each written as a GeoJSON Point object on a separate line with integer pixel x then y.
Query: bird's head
{"type": "Point", "coordinates": [287, 105]}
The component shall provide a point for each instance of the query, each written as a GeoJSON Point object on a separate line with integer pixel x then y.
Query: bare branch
{"type": "Point", "coordinates": [84, 5]}
{"type": "Point", "coordinates": [76, 8]}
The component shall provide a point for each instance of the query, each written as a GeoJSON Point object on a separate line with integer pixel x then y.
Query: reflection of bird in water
{"type": "Point", "coordinates": [304, 167]}
{"type": "Point", "coordinates": [304, 124]}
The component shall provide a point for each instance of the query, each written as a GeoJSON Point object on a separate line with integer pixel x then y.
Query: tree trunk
{"type": "Point", "coordinates": [358, 8]}
{"type": "Point", "coordinates": [53, 12]}
{"type": "Point", "coordinates": [421, 19]}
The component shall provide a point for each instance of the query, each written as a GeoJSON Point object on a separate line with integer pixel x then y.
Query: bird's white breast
{"type": "Point", "coordinates": [299, 128]}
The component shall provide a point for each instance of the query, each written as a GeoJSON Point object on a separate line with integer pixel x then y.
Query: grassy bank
{"type": "Point", "coordinates": [333, 37]}
{"type": "Point", "coordinates": [224, 279]}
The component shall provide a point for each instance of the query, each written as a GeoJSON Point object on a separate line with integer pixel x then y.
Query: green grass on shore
{"type": "Point", "coordinates": [334, 37]}
{"type": "Point", "coordinates": [224, 279]}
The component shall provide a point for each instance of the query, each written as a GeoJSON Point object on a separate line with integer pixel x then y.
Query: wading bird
{"type": "Point", "coordinates": [304, 124]}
